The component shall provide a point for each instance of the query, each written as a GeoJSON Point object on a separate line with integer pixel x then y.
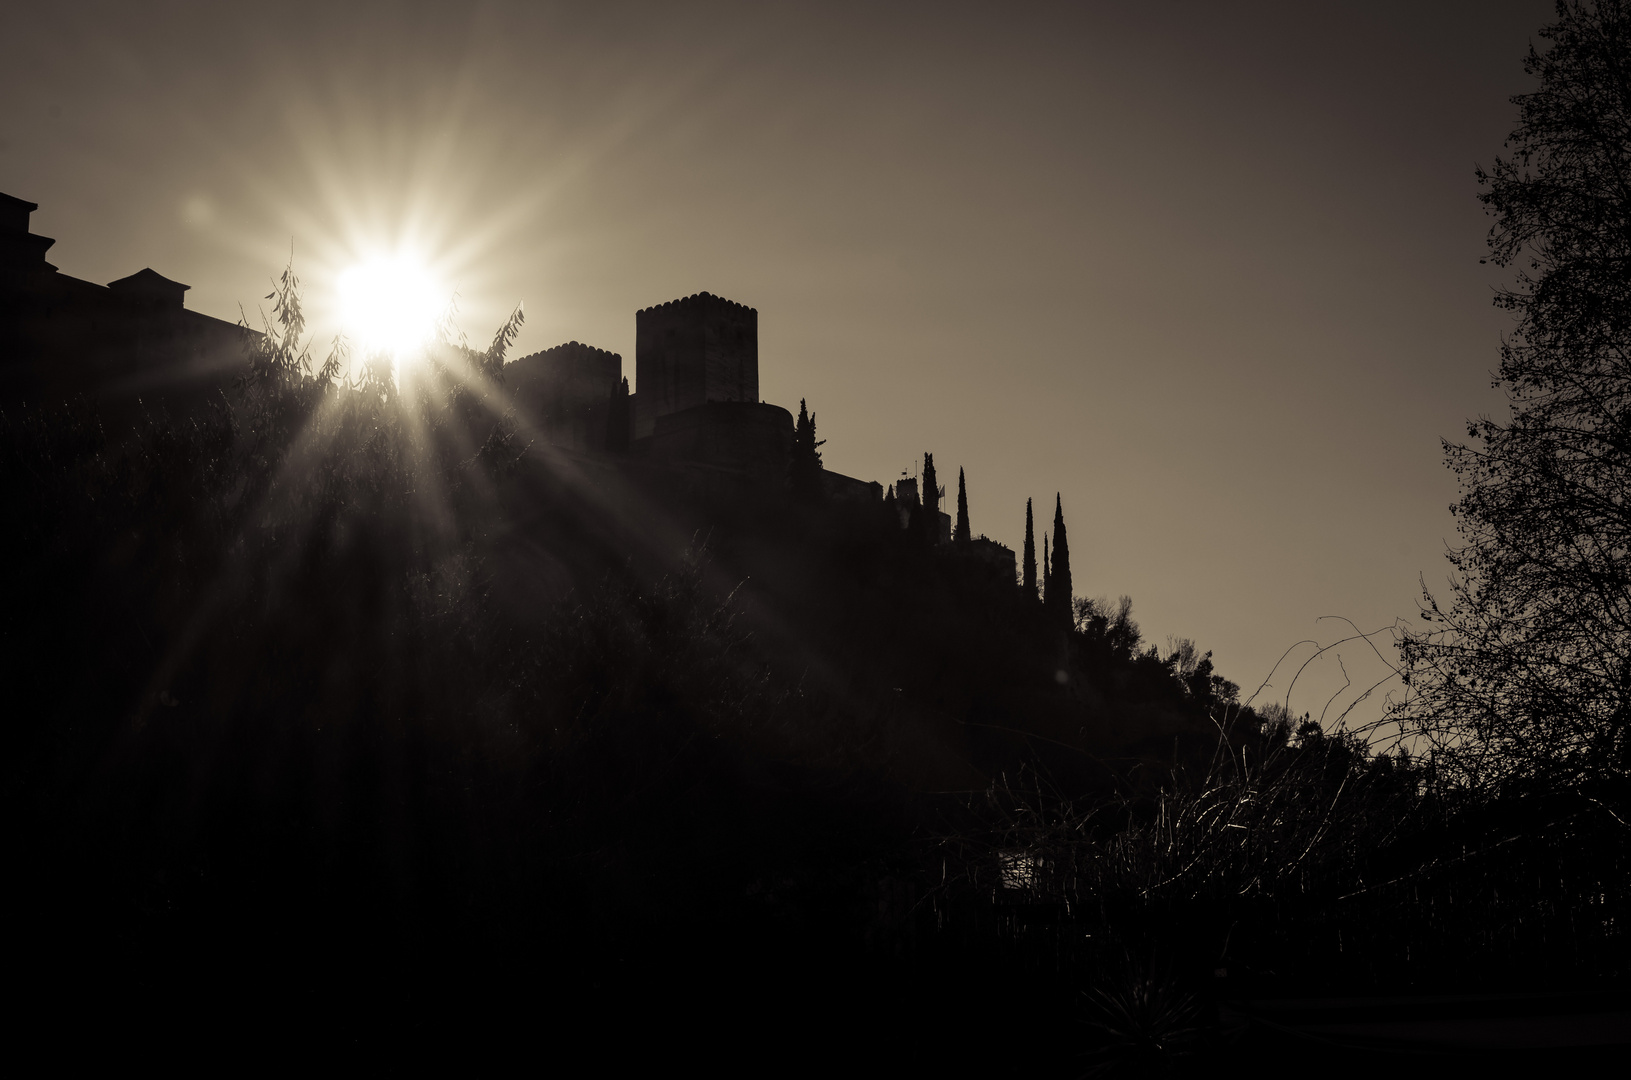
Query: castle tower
{"type": "Point", "coordinates": [692, 351]}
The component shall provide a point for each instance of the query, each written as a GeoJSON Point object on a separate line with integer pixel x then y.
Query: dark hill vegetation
{"type": "Point", "coordinates": [347, 711]}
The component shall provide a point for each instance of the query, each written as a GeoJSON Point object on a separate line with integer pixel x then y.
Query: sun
{"type": "Point", "coordinates": [390, 304]}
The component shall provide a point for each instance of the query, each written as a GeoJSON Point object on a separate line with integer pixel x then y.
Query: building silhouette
{"type": "Point", "coordinates": [695, 401]}
{"type": "Point", "coordinates": [121, 345]}
{"type": "Point", "coordinates": [690, 352]}
{"type": "Point", "coordinates": [567, 394]}
{"type": "Point", "coordinates": [694, 410]}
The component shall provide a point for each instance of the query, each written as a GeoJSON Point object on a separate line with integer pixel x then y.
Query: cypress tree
{"type": "Point", "coordinates": [1060, 592]}
{"type": "Point", "coordinates": [930, 500]}
{"type": "Point", "coordinates": [1047, 573]}
{"type": "Point", "coordinates": [1030, 555]}
{"type": "Point", "coordinates": [962, 535]}
{"type": "Point", "coordinates": [804, 466]}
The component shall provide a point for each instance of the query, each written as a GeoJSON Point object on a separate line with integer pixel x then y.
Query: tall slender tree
{"type": "Point", "coordinates": [804, 466]}
{"type": "Point", "coordinates": [1047, 573]}
{"type": "Point", "coordinates": [1029, 565]}
{"type": "Point", "coordinates": [1060, 594]}
{"type": "Point", "coordinates": [930, 500]}
{"type": "Point", "coordinates": [962, 535]}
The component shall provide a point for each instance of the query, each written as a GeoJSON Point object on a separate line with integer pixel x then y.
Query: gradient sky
{"type": "Point", "coordinates": [1209, 270]}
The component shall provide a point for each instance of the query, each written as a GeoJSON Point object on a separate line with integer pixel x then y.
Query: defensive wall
{"type": "Point", "coordinates": [754, 437]}
{"type": "Point", "coordinates": [569, 393]}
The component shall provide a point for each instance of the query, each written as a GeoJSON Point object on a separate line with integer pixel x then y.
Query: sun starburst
{"type": "Point", "coordinates": [390, 304]}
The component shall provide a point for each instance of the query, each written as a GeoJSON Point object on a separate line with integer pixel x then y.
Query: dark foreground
{"type": "Point", "coordinates": [344, 729]}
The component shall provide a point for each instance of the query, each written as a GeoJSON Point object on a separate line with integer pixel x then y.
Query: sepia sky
{"type": "Point", "coordinates": [1209, 270]}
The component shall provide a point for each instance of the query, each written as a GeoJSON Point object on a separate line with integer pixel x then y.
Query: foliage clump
{"type": "Point", "coordinates": [1521, 680]}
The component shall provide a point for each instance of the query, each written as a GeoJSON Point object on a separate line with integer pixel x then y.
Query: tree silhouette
{"type": "Point", "coordinates": [1047, 573]}
{"type": "Point", "coordinates": [804, 466]}
{"type": "Point", "coordinates": [1029, 563]}
{"type": "Point", "coordinates": [1060, 589]}
{"type": "Point", "coordinates": [930, 500]}
{"type": "Point", "coordinates": [1525, 673]}
{"type": "Point", "coordinates": [962, 535]}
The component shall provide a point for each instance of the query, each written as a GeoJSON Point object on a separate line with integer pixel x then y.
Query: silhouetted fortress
{"type": "Point", "coordinates": [696, 406]}
{"type": "Point", "coordinates": [695, 411]}
{"type": "Point", "coordinates": [696, 402]}
{"type": "Point", "coordinates": [118, 343]}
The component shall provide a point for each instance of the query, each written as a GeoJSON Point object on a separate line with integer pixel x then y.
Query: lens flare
{"type": "Point", "coordinates": [390, 304]}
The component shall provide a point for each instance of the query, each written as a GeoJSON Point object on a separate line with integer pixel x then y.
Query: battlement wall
{"type": "Point", "coordinates": [566, 392]}
{"type": "Point", "coordinates": [572, 362]}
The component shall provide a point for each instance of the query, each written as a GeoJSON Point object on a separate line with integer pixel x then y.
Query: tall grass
{"type": "Point", "coordinates": [1307, 864]}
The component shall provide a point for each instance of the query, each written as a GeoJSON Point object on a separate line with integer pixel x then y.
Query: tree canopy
{"type": "Point", "coordinates": [1523, 674]}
